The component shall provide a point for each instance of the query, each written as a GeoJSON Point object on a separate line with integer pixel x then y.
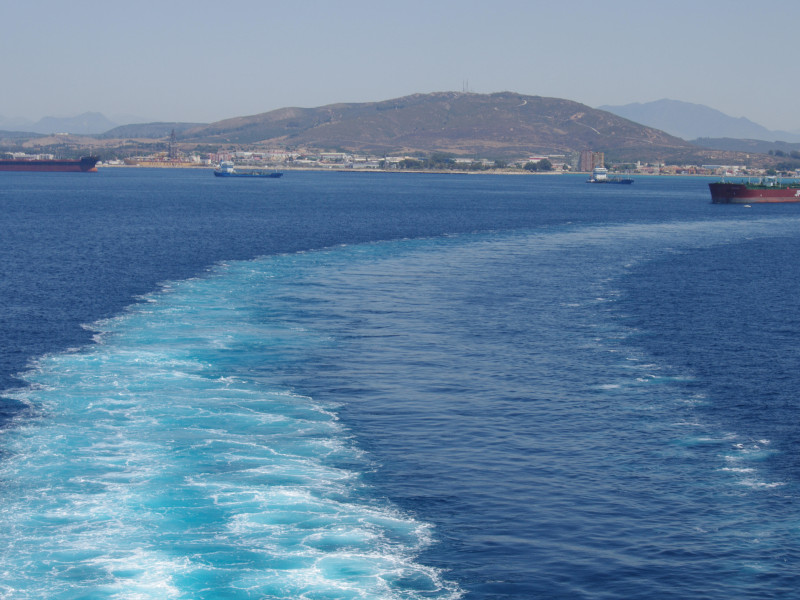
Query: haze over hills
{"type": "Point", "coordinates": [749, 146]}
{"type": "Point", "coordinates": [88, 123]}
{"type": "Point", "coordinates": [148, 130]}
{"type": "Point", "coordinates": [692, 121]}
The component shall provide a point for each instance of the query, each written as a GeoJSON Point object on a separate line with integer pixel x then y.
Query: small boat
{"type": "Point", "coordinates": [600, 175]}
{"type": "Point", "coordinates": [764, 190]}
{"type": "Point", "coordinates": [226, 169]}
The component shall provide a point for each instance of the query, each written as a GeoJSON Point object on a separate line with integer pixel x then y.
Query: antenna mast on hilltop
{"type": "Point", "coordinates": [465, 86]}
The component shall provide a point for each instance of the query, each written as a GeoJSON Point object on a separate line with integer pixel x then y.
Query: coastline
{"type": "Point", "coordinates": [520, 172]}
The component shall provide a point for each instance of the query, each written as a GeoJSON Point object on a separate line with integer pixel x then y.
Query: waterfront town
{"type": "Point", "coordinates": [171, 156]}
{"type": "Point", "coordinates": [310, 159]}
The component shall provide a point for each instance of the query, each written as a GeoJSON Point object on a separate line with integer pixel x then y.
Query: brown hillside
{"type": "Point", "coordinates": [502, 124]}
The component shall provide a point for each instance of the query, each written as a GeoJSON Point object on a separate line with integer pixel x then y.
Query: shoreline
{"type": "Point", "coordinates": [519, 172]}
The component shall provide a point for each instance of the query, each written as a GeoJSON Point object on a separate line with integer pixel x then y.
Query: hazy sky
{"type": "Point", "coordinates": [196, 60]}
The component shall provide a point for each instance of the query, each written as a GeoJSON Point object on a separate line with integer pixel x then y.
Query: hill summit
{"type": "Point", "coordinates": [498, 125]}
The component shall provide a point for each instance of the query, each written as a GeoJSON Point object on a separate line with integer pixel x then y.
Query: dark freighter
{"type": "Point", "coordinates": [766, 190]}
{"type": "Point", "coordinates": [87, 164]}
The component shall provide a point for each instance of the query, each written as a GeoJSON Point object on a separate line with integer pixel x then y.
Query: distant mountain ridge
{"type": "Point", "coordinates": [692, 121]}
{"type": "Point", "coordinates": [504, 125]}
{"type": "Point", "coordinates": [749, 146]}
{"type": "Point", "coordinates": [88, 123]}
{"type": "Point", "coordinates": [148, 130]}
{"type": "Point", "coordinates": [493, 125]}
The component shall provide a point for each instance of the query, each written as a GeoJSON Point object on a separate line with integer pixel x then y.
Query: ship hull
{"type": "Point", "coordinates": [272, 175]}
{"type": "Point", "coordinates": [617, 181]}
{"type": "Point", "coordinates": [87, 164]}
{"type": "Point", "coordinates": [740, 193]}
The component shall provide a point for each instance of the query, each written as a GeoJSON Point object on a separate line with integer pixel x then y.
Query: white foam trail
{"type": "Point", "coordinates": [163, 464]}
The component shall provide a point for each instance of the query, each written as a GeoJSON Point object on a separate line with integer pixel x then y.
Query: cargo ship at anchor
{"type": "Point", "coordinates": [87, 164]}
{"type": "Point", "coordinates": [765, 190]}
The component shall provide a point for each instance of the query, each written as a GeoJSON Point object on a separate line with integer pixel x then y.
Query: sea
{"type": "Point", "coordinates": [346, 385]}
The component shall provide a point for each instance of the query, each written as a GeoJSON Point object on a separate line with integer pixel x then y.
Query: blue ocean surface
{"type": "Point", "coordinates": [395, 386]}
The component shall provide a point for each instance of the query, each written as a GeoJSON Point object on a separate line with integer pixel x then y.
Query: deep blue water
{"type": "Point", "coordinates": [395, 386]}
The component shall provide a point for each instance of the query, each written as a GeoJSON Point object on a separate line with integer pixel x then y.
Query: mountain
{"type": "Point", "coordinates": [95, 124]}
{"type": "Point", "coordinates": [148, 130]}
{"type": "Point", "coordinates": [86, 124]}
{"type": "Point", "coordinates": [14, 137]}
{"type": "Point", "coordinates": [749, 146]}
{"type": "Point", "coordinates": [691, 121]}
{"type": "Point", "coordinates": [489, 125]}
{"type": "Point", "coordinates": [503, 125]}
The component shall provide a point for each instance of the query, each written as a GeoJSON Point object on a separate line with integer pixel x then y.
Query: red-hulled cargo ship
{"type": "Point", "coordinates": [87, 164]}
{"type": "Point", "coordinates": [768, 189]}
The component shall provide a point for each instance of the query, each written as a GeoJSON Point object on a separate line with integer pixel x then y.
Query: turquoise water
{"type": "Point", "coordinates": [157, 464]}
